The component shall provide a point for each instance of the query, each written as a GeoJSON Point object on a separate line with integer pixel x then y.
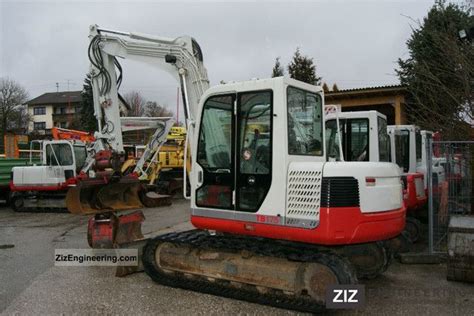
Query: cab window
{"type": "Point", "coordinates": [59, 155]}
{"type": "Point", "coordinates": [305, 124]}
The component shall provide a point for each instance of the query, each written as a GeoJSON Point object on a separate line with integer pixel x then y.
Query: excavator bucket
{"type": "Point", "coordinates": [87, 198]}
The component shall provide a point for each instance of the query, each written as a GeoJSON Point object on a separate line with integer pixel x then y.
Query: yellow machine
{"type": "Point", "coordinates": [169, 170]}
{"type": "Point", "coordinates": [171, 155]}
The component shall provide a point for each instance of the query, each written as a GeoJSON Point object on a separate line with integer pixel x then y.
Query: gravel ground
{"type": "Point", "coordinates": [31, 284]}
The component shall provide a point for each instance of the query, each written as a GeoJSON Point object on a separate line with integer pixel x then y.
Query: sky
{"type": "Point", "coordinates": [353, 43]}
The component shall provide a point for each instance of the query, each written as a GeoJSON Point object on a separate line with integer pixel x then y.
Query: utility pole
{"type": "Point", "coordinates": [57, 86]}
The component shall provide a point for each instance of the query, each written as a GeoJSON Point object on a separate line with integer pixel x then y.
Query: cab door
{"type": "Point", "coordinates": [235, 151]}
{"type": "Point", "coordinates": [59, 157]}
{"type": "Point", "coordinates": [215, 154]}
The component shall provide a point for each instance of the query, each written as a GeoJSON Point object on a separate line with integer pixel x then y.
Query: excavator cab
{"type": "Point", "coordinates": [260, 159]}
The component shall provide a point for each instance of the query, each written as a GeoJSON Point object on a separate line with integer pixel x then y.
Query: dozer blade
{"type": "Point", "coordinates": [89, 199]}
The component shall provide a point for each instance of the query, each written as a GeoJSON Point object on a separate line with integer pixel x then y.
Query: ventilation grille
{"type": "Point", "coordinates": [303, 195]}
{"type": "Point", "coordinates": [339, 192]}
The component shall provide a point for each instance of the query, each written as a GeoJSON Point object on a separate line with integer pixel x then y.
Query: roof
{"type": "Point", "coordinates": [389, 89]}
{"type": "Point", "coordinates": [56, 97]}
{"type": "Point", "coordinates": [64, 97]}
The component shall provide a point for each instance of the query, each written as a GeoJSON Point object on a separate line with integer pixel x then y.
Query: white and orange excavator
{"type": "Point", "coordinates": [276, 223]}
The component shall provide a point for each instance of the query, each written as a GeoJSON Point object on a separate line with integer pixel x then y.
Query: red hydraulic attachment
{"type": "Point", "coordinates": [110, 231]}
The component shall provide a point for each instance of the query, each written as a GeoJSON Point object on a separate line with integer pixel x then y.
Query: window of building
{"type": "Point", "coordinates": [39, 110]}
{"type": "Point", "coordinates": [305, 135]}
{"type": "Point", "coordinates": [60, 110]}
{"type": "Point", "coordinates": [39, 125]}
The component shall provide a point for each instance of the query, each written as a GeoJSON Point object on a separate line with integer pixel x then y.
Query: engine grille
{"type": "Point", "coordinates": [303, 196]}
{"type": "Point", "coordinates": [339, 192]}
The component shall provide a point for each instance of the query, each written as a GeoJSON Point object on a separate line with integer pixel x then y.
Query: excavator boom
{"type": "Point", "coordinates": [106, 191]}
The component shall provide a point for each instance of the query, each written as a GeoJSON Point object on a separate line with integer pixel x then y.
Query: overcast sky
{"type": "Point", "coordinates": [353, 43]}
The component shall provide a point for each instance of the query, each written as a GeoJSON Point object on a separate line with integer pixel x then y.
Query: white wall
{"type": "Point", "coordinates": [48, 117]}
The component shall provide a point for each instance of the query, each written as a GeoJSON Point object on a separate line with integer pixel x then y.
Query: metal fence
{"type": "Point", "coordinates": [450, 187]}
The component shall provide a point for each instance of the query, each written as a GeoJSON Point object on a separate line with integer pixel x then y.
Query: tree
{"type": "Point", "coordinates": [325, 87]}
{"type": "Point", "coordinates": [137, 103]}
{"type": "Point", "coordinates": [335, 88]}
{"type": "Point", "coordinates": [302, 68]}
{"type": "Point", "coordinates": [153, 109]}
{"type": "Point", "coordinates": [88, 120]}
{"type": "Point", "coordinates": [438, 72]}
{"type": "Point", "coordinates": [13, 114]}
{"type": "Point", "coordinates": [278, 70]}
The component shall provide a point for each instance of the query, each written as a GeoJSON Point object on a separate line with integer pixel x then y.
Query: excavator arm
{"type": "Point", "coordinates": [182, 58]}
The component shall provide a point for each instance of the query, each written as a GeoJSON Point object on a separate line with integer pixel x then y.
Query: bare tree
{"type": "Point", "coordinates": [137, 103]}
{"type": "Point", "coordinates": [153, 109]}
{"type": "Point", "coordinates": [438, 72]}
{"type": "Point", "coordinates": [13, 113]}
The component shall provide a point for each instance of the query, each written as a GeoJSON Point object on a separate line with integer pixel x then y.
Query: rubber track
{"type": "Point", "coordinates": [41, 209]}
{"type": "Point", "coordinates": [202, 239]}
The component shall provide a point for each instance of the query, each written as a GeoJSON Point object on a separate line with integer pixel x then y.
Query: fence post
{"type": "Point", "coordinates": [429, 173]}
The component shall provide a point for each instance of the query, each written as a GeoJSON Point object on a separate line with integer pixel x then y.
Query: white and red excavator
{"type": "Point", "coordinates": [71, 157]}
{"type": "Point", "coordinates": [363, 136]}
{"type": "Point", "coordinates": [276, 223]}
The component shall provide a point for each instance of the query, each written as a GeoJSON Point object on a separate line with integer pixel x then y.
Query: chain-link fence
{"type": "Point", "coordinates": [450, 187]}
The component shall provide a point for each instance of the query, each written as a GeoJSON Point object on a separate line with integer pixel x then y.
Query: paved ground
{"type": "Point", "coordinates": [31, 284]}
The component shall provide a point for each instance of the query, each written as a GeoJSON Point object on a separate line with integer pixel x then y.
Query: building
{"type": "Point", "coordinates": [388, 100]}
{"type": "Point", "coordinates": [58, 109]}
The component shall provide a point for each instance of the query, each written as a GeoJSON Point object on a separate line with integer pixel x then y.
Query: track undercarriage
{"type": "Point", "coordinates": [39, 201]}
{"type": "Point", "coordinates": [279, 273]}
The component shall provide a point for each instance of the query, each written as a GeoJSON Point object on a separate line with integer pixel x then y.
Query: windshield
{"type": "Point", "coordinates": [384, 140]}
{"type": "Point", "coordinates": [59, 155]}
{"type": "Point", "coordinates": [402, 149]}
{"type": "Point", "coordinates": [355, 139]}
{"type": "Point", "coordinates": [418, 146]}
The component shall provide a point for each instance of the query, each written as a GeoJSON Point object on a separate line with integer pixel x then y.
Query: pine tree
{"type": "Point", "coordinates": [325, 87]}
{"type": "Point", "coordinates": [335, 88]}
{"type": "Point", "coordinates": [303, 68]}
{"type": "Point", "coordinates": [88, 120]}
{"type": "Point", "coordinates": [278, 70]}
